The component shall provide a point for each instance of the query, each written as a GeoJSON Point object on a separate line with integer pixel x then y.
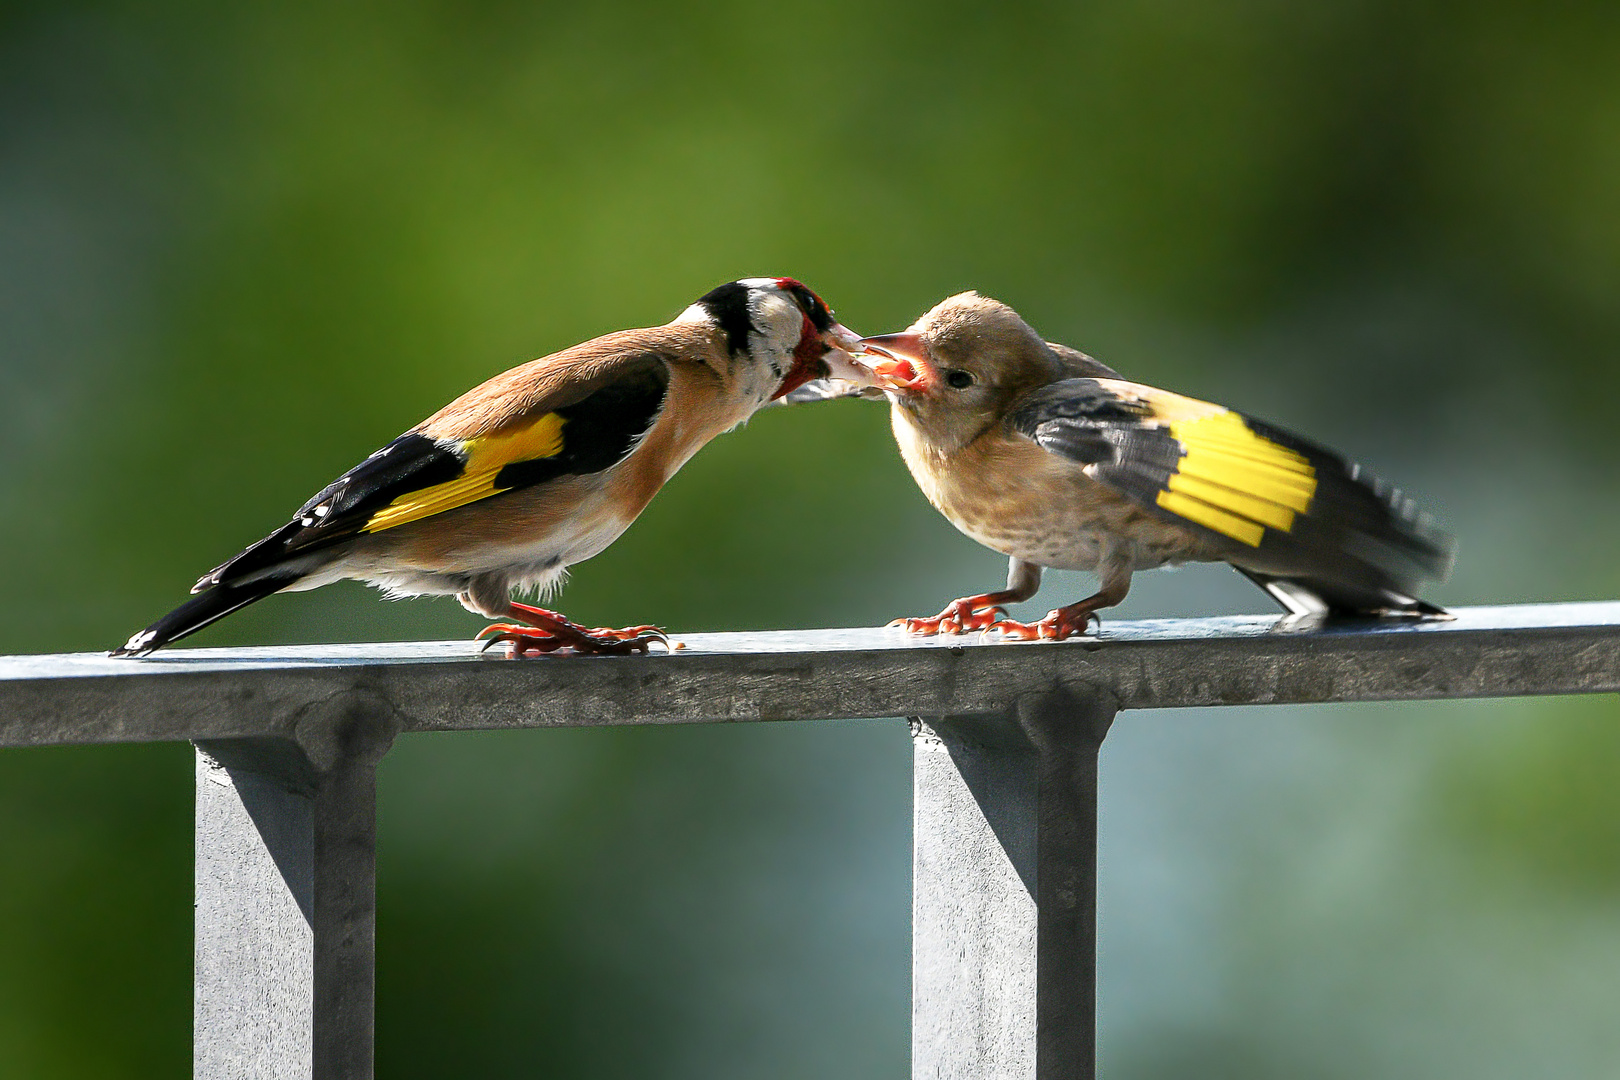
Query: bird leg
{"type": "Point", "coordinates": [1065, 622]}
{"type": "Point", "coordinates": [982, 611]}
{"type": "Point", "coordinates": [542, 631]}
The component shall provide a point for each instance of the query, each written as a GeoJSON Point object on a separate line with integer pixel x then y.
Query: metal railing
{"type": "Point", "coordinates": [1006, 741]}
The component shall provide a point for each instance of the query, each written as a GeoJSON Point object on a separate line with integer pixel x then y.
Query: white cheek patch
{"type": "Point", "coordinates": [777, 324]}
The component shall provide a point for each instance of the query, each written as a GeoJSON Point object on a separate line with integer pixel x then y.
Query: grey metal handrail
{"type": "Point", "coordinates": [1007, 734]}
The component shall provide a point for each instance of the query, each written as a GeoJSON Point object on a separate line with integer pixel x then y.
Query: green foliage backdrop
{"type": "Point", "coordinates": [242, 245]}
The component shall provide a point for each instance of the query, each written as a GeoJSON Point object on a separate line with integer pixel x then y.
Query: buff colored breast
{"type": "Point", "coordinates": [1041, 508]}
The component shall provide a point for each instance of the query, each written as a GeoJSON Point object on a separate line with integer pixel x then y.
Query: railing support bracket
{"type": "Point", "coordinates": [286, 897]}
{"type": "Point", "coordinates": [1004, 905]}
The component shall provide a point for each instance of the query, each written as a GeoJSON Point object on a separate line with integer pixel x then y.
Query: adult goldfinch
{"type": "Point", "coordinates": [1051, 458]}
{"type": "Point", "coordinates": [539, 468]}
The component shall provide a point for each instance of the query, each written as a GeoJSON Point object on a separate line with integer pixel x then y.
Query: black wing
{"type": "Point", "coordinates": [1284, 506]}
{"type": "Point", "coordinates": [415, 477]}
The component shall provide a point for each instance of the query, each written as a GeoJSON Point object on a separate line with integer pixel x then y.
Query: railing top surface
{"type": "Point", "coordinates": [811, 674]}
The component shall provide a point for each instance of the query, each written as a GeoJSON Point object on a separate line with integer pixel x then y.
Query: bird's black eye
{"type": "Point", "coordinates": [957, 379]}
{"type": "Point", "coordinates": [811, 305]}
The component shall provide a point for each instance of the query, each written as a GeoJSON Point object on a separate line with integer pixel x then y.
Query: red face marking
{"type": "Point", "coordinates": [811, 304]}
{"type": "Point", "coordinates": [805, 356]}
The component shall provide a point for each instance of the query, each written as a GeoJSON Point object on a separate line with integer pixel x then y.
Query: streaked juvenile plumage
{"type": "Point", "coordinates": [1049, 457]}
{"type": "Point", "coordinates": [541, 467]}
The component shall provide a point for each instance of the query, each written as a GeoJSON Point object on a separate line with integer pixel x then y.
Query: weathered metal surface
{"type": "Point", "coordinates": [812, 674]}
{"type": "Point", "coordinates": [1004, 894]}
{"type": "Point", "coordinates": [1006, 808]}
{"type": "Point", "coordinates": [253, 944]}
{"type": "Point", "coordinates": [975, 813]}
{"type": "Point", "coordinates": [1067, 731]}
{"type": "Point", "coordinates": [286, 869]}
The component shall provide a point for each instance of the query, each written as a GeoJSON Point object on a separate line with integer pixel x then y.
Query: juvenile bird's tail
{"type": "Point", "coordinates": [1360, 548]}
{"type": "Point", "coordinates": [213, 603]}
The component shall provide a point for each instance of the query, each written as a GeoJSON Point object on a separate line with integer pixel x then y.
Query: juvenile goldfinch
{"type": "Point", "coordinates": [539, 468]}
{"type": "Point", "coordinates": [1049, 457]}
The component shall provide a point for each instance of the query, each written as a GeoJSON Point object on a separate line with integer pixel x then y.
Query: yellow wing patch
{"type": "Point", "coordinates": [486, 457]}
{"type": "Point", "coordinates": [1234, 481]}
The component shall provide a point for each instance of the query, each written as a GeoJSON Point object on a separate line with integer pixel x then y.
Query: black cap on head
{"type": "Point", "coordinates": [729, 306]}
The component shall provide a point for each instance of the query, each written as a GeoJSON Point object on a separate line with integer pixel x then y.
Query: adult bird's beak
{"type": "Point", "coordinates": [904, 366]}
{"type": "Point", "coordinates": [842, 373]}
{"type": "Point", "coordinates": [842, 343]}
{"type": "Point", "coordinates": [833, 374]}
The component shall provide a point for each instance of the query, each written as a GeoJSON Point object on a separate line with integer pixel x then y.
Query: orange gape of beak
{"type": "Point", "coordinates": [905, 366]}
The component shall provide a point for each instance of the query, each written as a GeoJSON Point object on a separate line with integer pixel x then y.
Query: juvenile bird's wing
{"type": "Point", "coordinates": [574, 413]}
{"type": "Point", "coordinates": [1282, 505]}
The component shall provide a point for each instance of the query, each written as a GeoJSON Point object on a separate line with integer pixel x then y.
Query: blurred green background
{"type": "Point", "coordinates": [242, 245]}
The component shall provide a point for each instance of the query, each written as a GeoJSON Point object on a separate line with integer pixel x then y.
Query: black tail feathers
{"type": "Point", "coordinates": [208, 606]}
{"type": "Point", "coordinates": [1304, 595]}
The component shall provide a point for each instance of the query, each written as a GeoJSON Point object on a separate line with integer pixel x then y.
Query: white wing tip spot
{"type": "Point", "coordinates": [139, 642]}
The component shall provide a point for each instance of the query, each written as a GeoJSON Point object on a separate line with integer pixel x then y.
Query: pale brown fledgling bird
{"type": "Point", "coordinates": [1051, 458]}
{"type": "Point", "coordinates": [538, 468]}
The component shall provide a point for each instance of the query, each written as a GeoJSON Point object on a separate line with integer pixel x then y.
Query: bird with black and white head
{"type": "Point", "coordinates": [539, 468]}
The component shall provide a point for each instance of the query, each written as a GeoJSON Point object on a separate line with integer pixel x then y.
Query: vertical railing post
{"type": "Point", "coordinates": [286, 897]}
{"type": "Point", "coordinates": [1004, 932]}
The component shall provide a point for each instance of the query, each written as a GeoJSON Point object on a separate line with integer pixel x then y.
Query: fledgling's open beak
{"type": "Point", "coordinates": [904, 366]}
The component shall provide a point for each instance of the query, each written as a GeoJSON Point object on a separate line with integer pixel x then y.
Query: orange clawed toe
{"type": "Point", "coordinates": [550, 631]}
{"type": "Point", "coordinates": [973, 614]}
{"type": "Point", "coordinates": [1063, 623]}
{"type": "Point", "coordinates": [959, 617]}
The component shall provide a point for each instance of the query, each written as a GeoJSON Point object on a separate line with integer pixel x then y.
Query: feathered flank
{"type": "Point", "coordinates": [538, 468]}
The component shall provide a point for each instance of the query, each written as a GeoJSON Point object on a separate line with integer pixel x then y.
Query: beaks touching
{"type": "Point", "coordinates": [904, 365]}
{"type": "Point", "coordinates": [835, 364]}
{"type": "Point", "coordinates": [842, 344]}
{"type": "Point", "coordinates": [893, 363]}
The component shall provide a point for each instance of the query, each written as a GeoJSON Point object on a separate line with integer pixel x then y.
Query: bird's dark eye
{"type": "Point", "coordinates": [811, 305]}
{"type": "Point", "coordinates": [957, 379]}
